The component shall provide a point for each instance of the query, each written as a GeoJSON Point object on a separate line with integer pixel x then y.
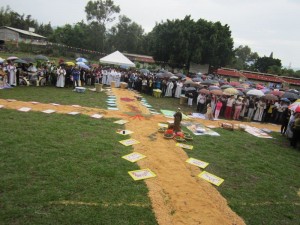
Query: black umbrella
{"type": "Point", "coordinates": [41, 57]}
{"type": "Point", "coordinates": [29, 59]}
{"type": "Point", "coordinates": [293, 91]}
{"type": "Point", "coordinates": [197, 80]}
{"type": "Point", "coordinates": [226, 86]}
{"type": "Point", "coordinates": [190, 89]}
{"type": "Point", "coordinates": [290, 95]}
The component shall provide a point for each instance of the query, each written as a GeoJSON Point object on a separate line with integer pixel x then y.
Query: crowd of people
{"type": "Point", "coordinates": [235, 107]}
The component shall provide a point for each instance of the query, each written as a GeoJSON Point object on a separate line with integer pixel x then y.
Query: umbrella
{"type": "Point", "coordinates": [167, 74]}
{"type": "Point", "coordinates": [294, 105]}
{"type": "Point", "coordinates": [69, 63]}
{"type": "Point", "coordinates": [226, 86]}
{"type": "Point", "coordinates": [285, 100]}
{"type": "Point", "coordinates": [248, 89]}
{"type": "Point", "coordinates": [41, 57]}
{"type": "Point", "coordinates": [204, 91]}
{"type": "Point", "coordinates": [216, 92]}
{"type": "Point", "coordinates": [240, 93]}
{"type": "Point", "coordinates": [234, 83]}
{"type": "Point", "coordinates": [84, 66]}
{"type": "Point", "coordinates": [197, 80]}
{"type": "Point", "coordinates": [297, 110]}
{"type": "Point", "coordinates": [12, 58]}
{"type": "Point", "coordinates": [271, 97]}
{"type": "Point", "coordinates": [80, 64]}
{"type": "Point", "coordinates": [174, 77]}
{"type": "Point", "coordinates": [190, 89]}
{"type": "Point", "coordinates": [298, 100]}
{"type": "Point", "coordinates": [21, 61]}
{"type": "Point", "coordinates": [230, 91]}
{"type": "Point", "coordinates": [95, 65]}
{"type": "Point", "coordinates": [255, 92]}
{"type": "Point", "coordinates": [293, 91]}
{"type": "Point", "coordinates": [213, 88]}
{"type": "Point", "coordinates": [188, 82]}
{"type": "Point", "coordinates": [1, 60]}
{"type": "Point", "coordinates": [266, 90]}
{"type": "Point", "coordinates": [181, 75]}
{"type": "Point", "coordinates": [258, 86]}
{"type": "Point", "coordinates": [277, 93]}
{"type": "Point", "coordinates": [29, 59]}
{"type": "Point", "coordinates": [144, 71]}
{"type": "Point", "coordinates": [81, 60]}
{"type": "Point", "coordinates": [290, 95]}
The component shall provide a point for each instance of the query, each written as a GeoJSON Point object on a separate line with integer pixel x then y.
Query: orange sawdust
{"type": "Point", "coordinates": [177, 195]}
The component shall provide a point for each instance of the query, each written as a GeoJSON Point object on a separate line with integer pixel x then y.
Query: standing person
{"type": "Point", "coordinates": [251, 108]}
{"type": "Point", "coordinates": [190, 98]}
{"type": "Point", "coordinates": [76, 76]}
{"type": "Point", "coordinates": [237, 108]}
{"type": "Point", "coordinates": [209, 114]}
{"type": "Point", "coordinates": [144, 84]}
{"type": "Point", "coordinates": [178, 89]}
{"type": "Point", "coordinates": [201, 100]}
{"type": "Point", "coordinates": [11, 69]}
{"type": "Point", "coordinates": [229, 105]}
{"type": "Point", "coordinates": [218, 108]}
{"type": "Point", "coordinates": [260, 108]}
{"type": "Point", "coordinates": [285, 120]}
{"type": "Point", "coordinates": [296, 131]}
{"type": "Point", "coordinates": [117, 78]}
{"type": "Point", "coordinates": [104, 76]}
{"type": "Point", "coordinates": [213, 103]}
{"type": "Point", "coordinates": [244, 107]}
{"type": "Point", "coordinates": [61, 73]}
{"type": "Point", "coordinates": [163, 87]}
{"type": "Point", "coordinates": [170, 86]}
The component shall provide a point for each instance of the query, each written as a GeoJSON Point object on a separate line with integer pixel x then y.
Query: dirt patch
{"type": "Point", "coordinates": [177, 195]}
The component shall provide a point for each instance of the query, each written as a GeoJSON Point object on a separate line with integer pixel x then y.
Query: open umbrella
{"type": "Point", "coordinates": [293, 91]}
{"type": "Point", "coordinates": [144, 71]}
{"type": "Point", "coordinates": [240, 93]}
{"type": "Point", "coordinates": [216, 92]}
{"type": "Point", "coordinates": [69, 63]}
{"type": "Point", "coordinates": [1, 60]}
{"type": "Point", "coordinates": [266, 90]}
{"type": "Point", "coordinates": [226, 86]}
{"type": "Point", "coordinates": [294, 105]}
{"type": "Point", "coordinates": [230, 91]}
{"type": "Point", "coordinates": [167, 74]}
{"type": "Point", "coordinates": [84, 66]}
{"type": "Point", "coordinates": [204, 91]}
{"type": "Point", "coordinates": [297, 110]}
{"type": "Point", "coordinates": [188, 82]}
{"type": "Point", "coordinates": [181, 75]}
{"type": "Point", "coordinates": [173, 77]}
{"type": "Point", "coordinates": [259, 87]}
{"type": "Point", "coordinates": [270, 97]}
{"type": "Point", "coordinates": [12, 58]}
{"type": "Point", "coordinates": [29, 59]}
{"type": "Point", "coordinates": [81, 60]}
{"type": "Point", "coordinates": [285, 100]}
{"type": "Point", "coordinates": [213, 88]}
{"type": "Point", "coordinates": [20, 61]}
{"type": "Point", "coordinates": [290, 95]}
{"type": "Point", "coordinates": [234, 83]}
{"type": "Point", "coordinates": [41, 57]}
{"type": "Point", "coordinates": [277, 93]}
{"type": "Point", "coordinates": [197, 79]}
{"type": "Point", "coordinates": [255, 92]}
{"type": "Point", "coordinates": [190, 89]}
{"type": "Point", "coordinates": [298, 100]}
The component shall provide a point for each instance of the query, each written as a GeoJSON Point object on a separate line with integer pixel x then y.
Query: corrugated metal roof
{"type": "Point", "coordinates": [24, 32]}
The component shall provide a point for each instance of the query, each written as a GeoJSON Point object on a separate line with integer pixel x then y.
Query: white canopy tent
{"type": "Point", "coordinates": [117, 58]}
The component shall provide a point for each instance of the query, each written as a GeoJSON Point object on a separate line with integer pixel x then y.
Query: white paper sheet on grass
{"type": "Point", "coordinates": [74, 113]}
{"type": "Point", "coordinates": [24, 109]}
{"type": "Point", "coordinates": [48, 111]}
{"type": "Point", "coordinates": [257, 132]}
{"type": "Point", "coordinates": [1, 106]}
{"type": "Point", "coordinates": [96, 116]}
{"type": "Point", "coordinates": [200, 129]}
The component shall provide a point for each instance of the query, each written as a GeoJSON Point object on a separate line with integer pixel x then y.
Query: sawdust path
{"type": "Point", "coordinates": [177, 195]}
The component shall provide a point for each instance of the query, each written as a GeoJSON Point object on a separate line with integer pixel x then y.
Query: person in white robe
{"type": "Point", "coordinates": [170, 86]}
{"type": "Point", "coordinates": [61, 73]}
{"type": "Point", "coordinates": [178, 89]}
{"type": "Point", "coordinates": [118, 78]}
{"type": "Point", "coordinates": [260, 107]}
{"type": "Point", "coordinates": [11, 69]}
{"type": "Point", "coordinates": [104, 77]}
{"type": "Point", "coordinates": [109, 77]}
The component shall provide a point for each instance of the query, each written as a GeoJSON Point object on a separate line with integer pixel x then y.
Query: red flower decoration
{"type": "Point", "coordinates": [127, 99]}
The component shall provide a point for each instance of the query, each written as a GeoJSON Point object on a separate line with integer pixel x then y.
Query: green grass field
{"type": "Point", "coordinates": [49, 159]}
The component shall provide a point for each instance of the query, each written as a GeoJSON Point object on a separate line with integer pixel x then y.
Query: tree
{"type": "Point", "coordinates": [244, 58]}
{"type": "Point", "coordinates": [99, 13]}
{"type": "Point", "coordinates": [264, 63]}
{"type": "Point", "coordinates": [126, 36]}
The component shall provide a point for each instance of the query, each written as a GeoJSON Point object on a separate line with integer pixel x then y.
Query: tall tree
{"type": "Point", "coordinates": [244, 58]}
{"type": "Point", "coordinates": [99, 13]}
{"type": "Point", "coordinates": [264, 63]}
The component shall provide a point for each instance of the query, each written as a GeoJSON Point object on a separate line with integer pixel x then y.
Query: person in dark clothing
{"type": "Point", "coordinates": [285, 120]}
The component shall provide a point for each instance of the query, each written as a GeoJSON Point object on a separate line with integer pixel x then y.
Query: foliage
{"type": "Point", "coordinates": [244, 58]}
{"type": "Point", "coordinates": [262, 64]}
{"type": "Point", "coordinates": [180, 42]}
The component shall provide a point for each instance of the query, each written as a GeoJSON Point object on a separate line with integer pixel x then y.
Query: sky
{"type": "Point", "coordinates": [264, 25]}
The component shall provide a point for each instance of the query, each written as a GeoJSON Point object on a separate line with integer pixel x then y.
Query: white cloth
{"type": "Point", "coordinates": [12, 74]}
{"type": "Point", "coordinates": [169, 89]}
{"type": "Point", "coordinates": [61, 73]}
{"type": "Point", "coordinates": [178, 89]}
{"type": "Point", "coordinates": [259, 111]}
{"type": "Point", "coordinates": [117, 79]}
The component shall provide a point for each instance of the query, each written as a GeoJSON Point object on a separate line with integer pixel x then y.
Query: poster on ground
{"type": "Point", "coordinates": [48, 111]}
{"type": "Point", "coordinates": [124, 132]}
{"type": "Point", "coordinates": [197, 162]}
{"type": "Point", "coordinates": [134, 157]}
{"type": "Point", "coordinates": [190, 147]}
{"type": "Point", "coordinates": [74, 113]}
{"type": "Point", "coordinates": [96, 116]}
{"type": "Point", "coordinates": [24, 109]}
{"type": "Point", "coordinates": [141, 174]}
{"type": "Point", "coordinates": [121, 122]}
{"type": "Point", "coordinates": [129, 142]}
{"type": "Point", "coordinates": [211, 178]}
